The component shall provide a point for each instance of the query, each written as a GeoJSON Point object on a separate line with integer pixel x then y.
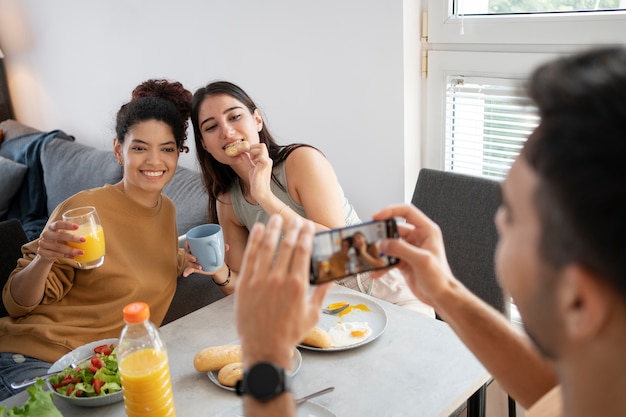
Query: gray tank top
{"type": "Point", "coordinates": [248, 214]}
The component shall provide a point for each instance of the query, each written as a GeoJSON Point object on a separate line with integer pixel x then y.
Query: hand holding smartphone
{"type": "Point", "coordinates": [346, 251]}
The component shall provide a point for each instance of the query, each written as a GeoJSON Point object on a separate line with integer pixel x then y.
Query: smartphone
{"type": "Point", "coordinates": [346, 251]}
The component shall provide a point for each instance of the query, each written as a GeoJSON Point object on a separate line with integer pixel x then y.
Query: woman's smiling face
{"type": "Point", "coordinates": [150, 157]}
{"type": "Point", "coordinates": [224, 120]}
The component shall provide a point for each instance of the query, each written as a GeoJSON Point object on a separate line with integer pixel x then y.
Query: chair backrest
{"type": "Point", "coordinates": [464, 207]}
{"type": "Point", "coordinates": [12, 237]}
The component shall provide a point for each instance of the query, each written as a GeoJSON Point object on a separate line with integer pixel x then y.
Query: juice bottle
{"type": "Point", "coordinates": [143, 366]}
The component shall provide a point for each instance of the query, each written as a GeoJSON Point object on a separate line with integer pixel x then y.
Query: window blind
{"type": "Point", "coordinates": [487, 122]}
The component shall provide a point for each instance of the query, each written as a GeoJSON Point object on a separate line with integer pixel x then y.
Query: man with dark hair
{"type": "Point", "coordinates": [560, 256]}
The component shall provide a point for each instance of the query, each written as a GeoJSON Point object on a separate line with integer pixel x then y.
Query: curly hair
{"type": "Point", "coordinates": [163, 100]}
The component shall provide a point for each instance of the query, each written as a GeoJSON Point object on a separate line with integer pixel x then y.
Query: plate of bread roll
{"type": "Point", "coordinates": [361, 323]}
{"type": "Point", "coordinates": [222, 363]}
{"type": "Point", "coordinates": [307, 409]}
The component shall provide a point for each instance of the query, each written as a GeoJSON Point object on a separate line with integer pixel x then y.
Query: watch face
{"type": "Point", "coordinates": [263, 381]}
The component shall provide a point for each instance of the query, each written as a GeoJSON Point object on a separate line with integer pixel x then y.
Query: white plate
{"type": "Point", "coordinates": [376, 318]}
{"type": "Point", "coordinates": [303, 410]}
{"type": "Point", "coordinates": [80, 353]}
{"type": "Point", "coordinates": [296, 362]}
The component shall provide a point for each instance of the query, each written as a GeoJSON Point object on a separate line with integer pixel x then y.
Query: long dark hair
{"type": "Point", "coordinates": [217, 177]}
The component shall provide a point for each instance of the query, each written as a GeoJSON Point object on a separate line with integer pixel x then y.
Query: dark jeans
{"type": "Point", "coordinates": [16, 367]}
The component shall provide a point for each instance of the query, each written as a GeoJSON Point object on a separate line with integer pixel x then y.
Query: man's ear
{"type": "Point", "coordinates": [584, 302]}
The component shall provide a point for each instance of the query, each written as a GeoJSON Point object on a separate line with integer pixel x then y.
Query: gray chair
{"type": "Point", "coordinates": [12, 237]}
{"type": "Point", "coordinates": [464, 208]}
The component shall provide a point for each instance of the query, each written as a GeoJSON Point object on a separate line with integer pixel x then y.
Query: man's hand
{"type": "Point", "coordinates": [272, 305]}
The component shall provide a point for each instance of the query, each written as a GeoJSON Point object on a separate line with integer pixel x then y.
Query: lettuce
{"type": "Point", "coordinates": [39, 404]}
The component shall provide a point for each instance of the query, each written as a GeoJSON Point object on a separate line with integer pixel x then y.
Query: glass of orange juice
{"type": "Point", "coordinates": [90, 228]}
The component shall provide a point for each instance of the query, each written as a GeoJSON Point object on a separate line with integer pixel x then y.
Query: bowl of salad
{"type": "Point", "coordinates": [95, 379]}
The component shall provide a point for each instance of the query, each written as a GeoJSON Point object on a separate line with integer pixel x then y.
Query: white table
{"type": "Point", "coordinates": [417, 367]}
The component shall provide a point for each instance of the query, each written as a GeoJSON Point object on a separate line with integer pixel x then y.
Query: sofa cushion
{"type": "Point", "coordinates": [70, 167]}
{"type": "Point", "coordinates": [12, 129]}
{"type": "Point", "coordinates": [189, 197]}
{"type": "Point", "coordinates": [11, 178]}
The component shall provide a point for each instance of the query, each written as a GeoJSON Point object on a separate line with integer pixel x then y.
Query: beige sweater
{"type": "Point", "coordinates": [142, 263]}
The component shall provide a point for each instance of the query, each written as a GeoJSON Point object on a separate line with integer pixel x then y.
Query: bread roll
{"type": "Point", "coordinates": [230, 374]}
{"type": "Point", "coordinates": [215, 358]}
{"type": "Point", "coordinates": [235, 148]}
{"type": "Point", "coordinates": [318, 338]}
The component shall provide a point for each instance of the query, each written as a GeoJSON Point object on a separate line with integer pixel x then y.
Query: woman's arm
{"type": "Point", "coordinates": [235, 238]}
{"type": "Point", "coordinates": [312, 183]}
{"type": "Point", "coordinates": [26, 286]}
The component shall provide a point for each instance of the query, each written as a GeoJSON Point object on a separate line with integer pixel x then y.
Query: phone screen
{"type": "Point", "coordinates": [339, 253]}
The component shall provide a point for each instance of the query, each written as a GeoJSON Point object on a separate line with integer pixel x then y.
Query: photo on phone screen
{"type": "Point", "coordinates": [339, 253]}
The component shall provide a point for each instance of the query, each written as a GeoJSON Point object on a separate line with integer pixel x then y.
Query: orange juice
{"type": "Point", "coordinates": [93, 245]}
{"type": "Point", "coordinates": [146, 384]}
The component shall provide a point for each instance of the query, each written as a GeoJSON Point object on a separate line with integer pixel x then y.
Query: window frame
{"type": "Point", "coordinates": [532, 30]}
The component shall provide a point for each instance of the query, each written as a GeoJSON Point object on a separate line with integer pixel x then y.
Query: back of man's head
{"type": "Point", "coordinates": [578, 152]}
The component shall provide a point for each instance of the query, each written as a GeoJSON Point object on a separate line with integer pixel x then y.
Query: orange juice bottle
{"type": "Point", "coordinates": [143, 366]}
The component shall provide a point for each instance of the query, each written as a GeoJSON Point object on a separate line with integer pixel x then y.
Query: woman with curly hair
{"type": "Point", "coordinates": [56, 307]}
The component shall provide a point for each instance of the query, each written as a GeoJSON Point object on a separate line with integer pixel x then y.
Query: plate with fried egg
{"type": "Point", "coordinates": [361, 323]}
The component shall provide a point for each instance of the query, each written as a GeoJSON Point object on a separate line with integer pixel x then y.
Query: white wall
{"type": "Point", "coordinates": [331, 73]}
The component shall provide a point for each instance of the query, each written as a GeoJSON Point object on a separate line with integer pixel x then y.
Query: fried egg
{"type": "Point", "coordinates": [349, 333]}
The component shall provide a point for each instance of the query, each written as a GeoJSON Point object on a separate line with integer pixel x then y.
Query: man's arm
{"type": "Point", "coordinates": [273, 309]}
{"type": "Point", "coordinates": [507, 354]}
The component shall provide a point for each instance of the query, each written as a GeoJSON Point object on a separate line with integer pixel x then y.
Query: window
{"type": "Point", "coordinates": [495, 7]}
{"type": "Point", "coordinates": [477, 116]}
{"type": "Point", "coordinates": [487, 121]}
{"type": "Point", "coordinates": [478, 53]}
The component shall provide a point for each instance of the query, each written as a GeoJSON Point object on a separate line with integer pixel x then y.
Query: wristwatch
{"type": "Point", "coordinates": [264, 381]}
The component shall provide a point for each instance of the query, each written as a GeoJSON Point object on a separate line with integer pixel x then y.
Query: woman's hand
{"type": "Point", "coordinates": [193, 267]}
{"type": "Point", "coordinates": [260, 173]}
{"type": "Point", "coordinates": [53, 243]}
{"type": "Point", "coordinates": [359, 244]}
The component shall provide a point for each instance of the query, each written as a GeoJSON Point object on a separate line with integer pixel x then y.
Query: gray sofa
{"type": "Point", "coordinates": [38, 170]}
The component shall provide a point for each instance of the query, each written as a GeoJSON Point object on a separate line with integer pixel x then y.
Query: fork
{"type": "Point", "coordinates": [313, 395]}
{"type": "Point", "coordinates": [335, 308]}
{"type": "Point", "coordinates": [28, 381]}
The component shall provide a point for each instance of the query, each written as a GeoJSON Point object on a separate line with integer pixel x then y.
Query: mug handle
{"type": "Point", "coordinates": [216, 251]}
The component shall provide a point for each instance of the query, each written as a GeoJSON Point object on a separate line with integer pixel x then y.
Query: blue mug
{"type": "Point", "coordinates": [206, 243]}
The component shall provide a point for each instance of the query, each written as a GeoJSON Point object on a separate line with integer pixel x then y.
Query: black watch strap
{"type": "Point", "coordinates": [264, 381]}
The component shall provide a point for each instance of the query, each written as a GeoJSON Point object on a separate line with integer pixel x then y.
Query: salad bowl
{"type": "Point", "coordinates": [79, 354]}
